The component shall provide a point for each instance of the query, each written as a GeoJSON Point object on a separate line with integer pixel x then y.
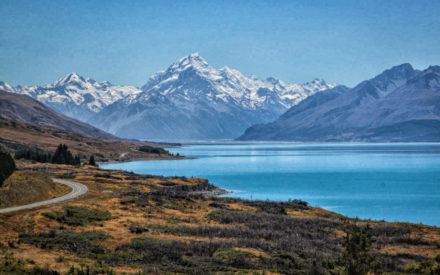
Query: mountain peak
{"type": "Point", "coordinates": [394, 77]}
{"type": "Point", "coordinates": [69, 78]}
{"type": "Point", "coordinates": [404, 71]}
{"type": "Point", "coordinates": [319, 81]}
{"type": "Point", "coordinates": [192, 60]}
{"type": "Point", "coordinates": [319, 84]}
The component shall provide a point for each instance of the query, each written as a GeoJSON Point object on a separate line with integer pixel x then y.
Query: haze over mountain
{"type": "Point", "coordinates": [25, 109]}
{"type": "Point", "coordinates": [400, 104]}
{"type": "Point", "coordinates": [75, 96]}
{"type": "Point", "coordinates": [192, 100]}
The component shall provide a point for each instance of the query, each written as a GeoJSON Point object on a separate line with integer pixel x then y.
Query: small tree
{"type": "Point", "coordinates": [77, 160]}
{"type": "Point", "coordinates": [92, 161]}
{"type": "Point", "coordinates": [62, 155]}
{"type": "Point", "coordinates": [357, 258]}
{"type": "Point", "coordinates": [7, 166]}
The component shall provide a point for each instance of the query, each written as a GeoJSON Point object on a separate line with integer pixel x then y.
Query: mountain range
{"type": "Point", "coordinates": [400, 104]}
{"type": "Point", "coordinates": [75, 96]}
{"type": "Point", "coordinates": [189, 100]}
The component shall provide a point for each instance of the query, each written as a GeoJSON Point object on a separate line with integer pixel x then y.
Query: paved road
{"type": "Point", "coordinates": [78, 189]}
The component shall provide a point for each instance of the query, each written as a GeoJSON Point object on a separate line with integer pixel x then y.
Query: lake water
{"type": "Point", "coordinates": [392, 182]}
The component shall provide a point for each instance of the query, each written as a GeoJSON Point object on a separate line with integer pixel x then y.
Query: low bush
{"type": "Point", "coordinates": [82, 243]}
{"type": "Point", "coordinates": [235, 258]}
{"type": "Point", "coordinates": [76, 215]}
{"type": "Point", "coordinates": [431, 266]}
{"type": "Point", "coordinates": [13, 266]}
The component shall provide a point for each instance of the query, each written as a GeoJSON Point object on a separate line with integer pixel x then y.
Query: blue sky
{"type": "Point", "coordinates": [127, 41]}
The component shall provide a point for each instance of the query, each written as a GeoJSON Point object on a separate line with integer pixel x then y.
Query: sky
{"type": "Point", "coordinates": [125, 42]}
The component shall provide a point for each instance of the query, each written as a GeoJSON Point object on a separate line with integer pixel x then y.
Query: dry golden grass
{"type": "Point", "coordinates": [104, 184]}
{"type": "Point", "coordinates": [24, 187]}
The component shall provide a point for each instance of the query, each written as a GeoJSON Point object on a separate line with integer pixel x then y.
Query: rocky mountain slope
{"type": "Point", "coordinates": [400, 104]}
{"type": "Point", "coordinates": [24, 108]}
{"type": "Point", "coordinates": [192, 100]}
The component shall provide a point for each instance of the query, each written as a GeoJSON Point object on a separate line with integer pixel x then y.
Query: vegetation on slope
{"type": "Point", "coordinates": [7, 166]}
{"type": "Point", "coordinates": [172, 225]}
{"type": "Point", "coordinates": [62, 155]}
{"type": "Point", "coordinates": [24, 187]}
{"type": "Point", "coordinates": [17, 136]}
{"type": "Point", "coordinates": [79, 216]}
{"type": "Point", "coordinates": [153, 150]}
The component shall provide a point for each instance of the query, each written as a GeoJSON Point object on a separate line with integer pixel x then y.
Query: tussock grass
{"type": "Point", "coordinates": [79, 216]}
{"type": "Point", "coordinates": [24, 187]}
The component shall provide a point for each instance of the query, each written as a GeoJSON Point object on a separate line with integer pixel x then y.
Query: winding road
{"type": "Point", "coordinates": [78, 189]}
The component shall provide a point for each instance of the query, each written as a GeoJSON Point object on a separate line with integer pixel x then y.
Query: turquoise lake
{"type": "Point", "coordinates": [392, 182]}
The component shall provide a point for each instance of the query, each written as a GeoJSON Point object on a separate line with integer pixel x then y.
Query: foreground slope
{"type": "Point", "coordinates": [401, 104]}
{"type": "Point", "coordinates": [192, 100]}
{"type": "Point", "coordinates": [144, 224]}
{"type": "Point", "coordinates": [24, 108]}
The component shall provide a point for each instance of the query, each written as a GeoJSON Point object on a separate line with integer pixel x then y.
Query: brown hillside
{"type": "Point", "coordinates": [18, 135]}
{"type": "Point", "coordinates": [26, 109]}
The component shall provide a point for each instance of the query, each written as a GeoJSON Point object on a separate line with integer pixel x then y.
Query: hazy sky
{"type": "Point", "coordinates": [125, 42]}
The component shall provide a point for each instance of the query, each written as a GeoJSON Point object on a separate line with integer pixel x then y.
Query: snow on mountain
{"type": "Point", "coordinates": [188, 100]}
{"type": "Point", "coordinates": [75, 96]}
{"type": "Point", "coordinates": [229, 83]}
{"type": "Point", "coordinates": [400, 104]}
{"type": "Point", "coordinates": [192, 100]}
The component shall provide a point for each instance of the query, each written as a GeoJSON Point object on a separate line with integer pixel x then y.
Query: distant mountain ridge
{"type": "Point", "coordinates": [26, 109]}
{"type": "Point", "coordinates": [189, 100]}
{"type": "Point", "coordinates": [192, 100]}
{"type": "Point", "coordinates": [400, 104]}
{"type": "Point", "coordinates": [74, 95]}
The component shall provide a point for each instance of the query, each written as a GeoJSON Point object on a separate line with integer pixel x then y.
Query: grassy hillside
{"type": "Point", "coordinates": [24, 187]}
{"type": "Point", "coordinates": [143, 224]}
{"type": "Point", "coordinates": [16, 135]}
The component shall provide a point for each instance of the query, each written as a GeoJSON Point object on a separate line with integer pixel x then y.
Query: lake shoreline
{"type": "Point", "coordinates": [370, 181]}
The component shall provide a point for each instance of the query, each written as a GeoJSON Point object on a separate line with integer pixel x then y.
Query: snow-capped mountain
{"type": "Point", "coordinates": [250, 92]}
{"type": "Point", "coordinates": [400, 104]}
{"type": "Point", "coordinates": [192, 100]}
{"type": "Point", "coordinates": [75, 96]}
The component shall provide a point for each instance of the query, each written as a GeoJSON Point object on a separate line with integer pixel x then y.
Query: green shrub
{"type": "Point", "coordinates": [357, 258]}
{"type": "Point", "coordinates": [82, 243]}
{"type": "Point", "coordinates": [79, 216]}
{"type": "Point", "coordinates": [7, 166]}
{"type": "Point", "coordinates": [431, 266]}
{"type": "Point", "coordinates": [13, 266]}
{"type": "Point", "coordinates": [234, 257]}
{"type": "Point", "coordinates": [90, 271]}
